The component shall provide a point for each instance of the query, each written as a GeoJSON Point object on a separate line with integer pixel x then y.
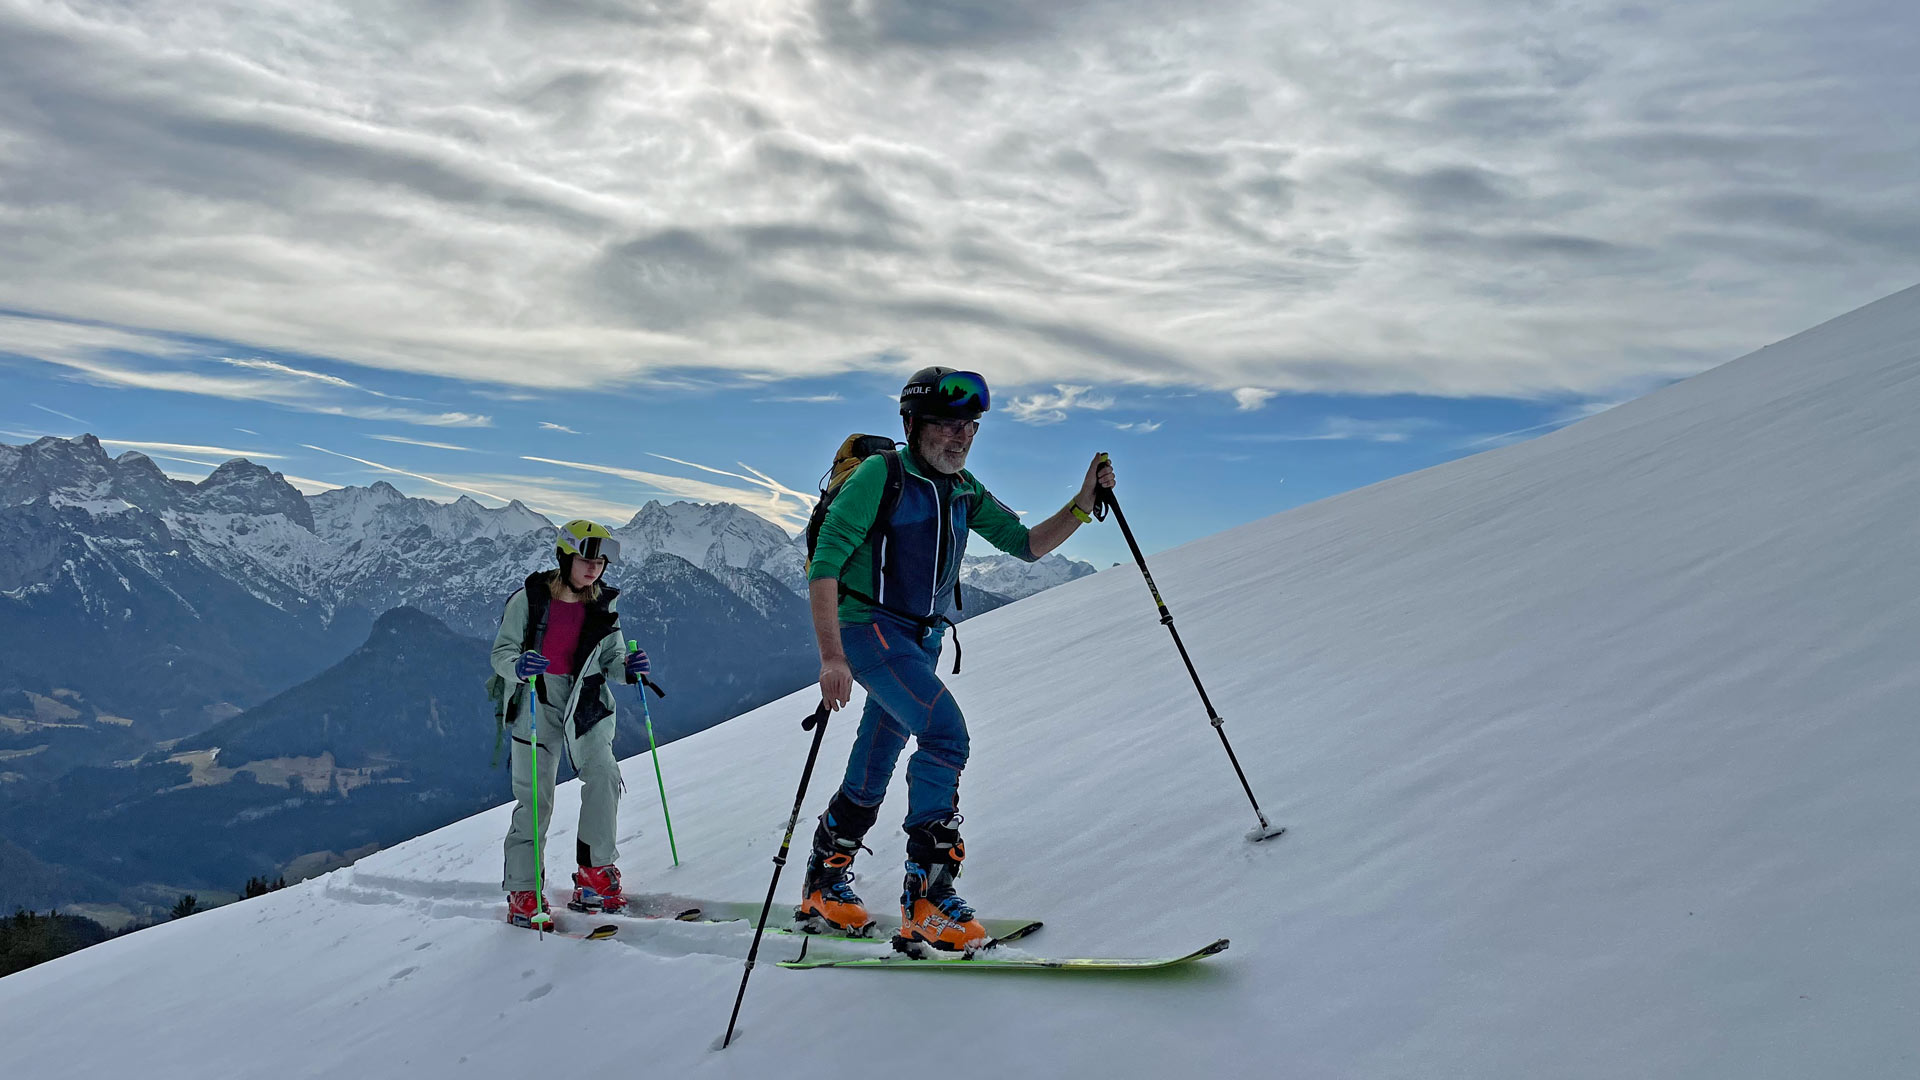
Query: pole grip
{"type": "Point", "coordinates": [634, 647]}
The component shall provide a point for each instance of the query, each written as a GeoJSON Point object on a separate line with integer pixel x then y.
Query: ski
{"type": "Point", "coordinates": [687, 915]}
{"type": "Point", "coordinates": [883, 929]}
{"type": "Point", "coordinates": [985, 960]}
{"type": "Point", "coordinates": [598, 933]}
{"type": "Point", "coordinates": [660, 906]}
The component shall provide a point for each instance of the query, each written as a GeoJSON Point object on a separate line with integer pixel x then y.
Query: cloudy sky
{"type": "Point", "coordinates": [590, 252]}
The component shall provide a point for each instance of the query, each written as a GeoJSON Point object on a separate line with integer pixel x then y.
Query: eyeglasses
{"type": "Point", "coordinates": [952, 427]}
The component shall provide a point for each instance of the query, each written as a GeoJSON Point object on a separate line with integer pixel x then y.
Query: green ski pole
{"type": "Point", "coordinates": [540, 919]}
{"type": "Point", "coordinates": [647, 715]}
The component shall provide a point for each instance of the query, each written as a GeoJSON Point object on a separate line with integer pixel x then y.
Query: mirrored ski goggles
{"type": "Point", "coordinates": [603, 548]}
{"type": "Point", "coordinates": [961, 391]}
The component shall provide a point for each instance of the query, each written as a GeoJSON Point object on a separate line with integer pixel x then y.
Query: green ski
{"type": "Point", "coordinates": [987, 961]}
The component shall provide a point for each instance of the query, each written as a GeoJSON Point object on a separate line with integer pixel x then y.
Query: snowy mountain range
{"type": "Point", "coordinates": [1596, 754]}
{"type": "Point", "coordinates": [214, 594]}
{"type": "Point", "coordinates": [1004, 575]}
{"type": "Point", "coordinates": [350, 553]}
{"type": "Point", "coordinates": [156, 583]}
{"type": "Point", "coordinates": [716, 537]}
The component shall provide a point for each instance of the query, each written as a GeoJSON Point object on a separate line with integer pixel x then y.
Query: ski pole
{"type": "Point", "coordinates": [818, 723]}
{"type": "Point", "coordinates": [645, 714]}
{"type": "Point", "coordinates": [1265, 831]}
{"type": "Point", "coordinates": [540, 919]}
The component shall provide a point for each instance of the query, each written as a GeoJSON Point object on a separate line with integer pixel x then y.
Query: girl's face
{"type": "Point", "coordinates": [585, 573]}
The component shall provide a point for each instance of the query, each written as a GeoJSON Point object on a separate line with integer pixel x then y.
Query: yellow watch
{"type": "Point", "coordinates": [1073, 504]}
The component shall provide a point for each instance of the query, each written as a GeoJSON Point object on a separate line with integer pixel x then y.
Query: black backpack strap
{"type": "Point", "coordinates": [536, 634]}
{"type": "Point", "coordinates": [538, 600]}
{"type": "Point", "coordinates": [896, 481]}
{"type": "Point", "coordinates": [889, 499]}
{"type": "Point", "coordinates": [530, 638]}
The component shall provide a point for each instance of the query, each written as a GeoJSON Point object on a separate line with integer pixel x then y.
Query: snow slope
{"type": "Point", "coordinates": [1597, 752]}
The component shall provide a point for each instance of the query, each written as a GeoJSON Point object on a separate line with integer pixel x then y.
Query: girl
{"type": "Point", "coordinates": [560, 638]}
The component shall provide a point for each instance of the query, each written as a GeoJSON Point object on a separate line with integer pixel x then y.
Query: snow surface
{"type": "Point", "coordinates": [1597, 755]}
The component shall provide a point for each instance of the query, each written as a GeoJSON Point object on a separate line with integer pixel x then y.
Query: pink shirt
{"type": "Point", "coordinates": [564, 621]}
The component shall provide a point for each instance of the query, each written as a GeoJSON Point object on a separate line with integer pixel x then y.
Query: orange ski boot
{"type": "Point", "coordinates": [931, 913]}
{"type": "Point", "coordinates": [830, 905]}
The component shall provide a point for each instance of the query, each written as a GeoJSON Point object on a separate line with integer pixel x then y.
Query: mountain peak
{"type": "Point", "coordinates": [712, 536]}
{"type": "Point", "coordinates": [239, 486]}
{"type": "Point", "coordinates": [84, 441]}
{"type": "Point", "coordinates": [406, 620]}
{"type": "Point", "coordinates": [74, 470]}
{"type": "Point", "coordinates": [86, 446]}
{"type": "Point", "coordinates": [236, 470]}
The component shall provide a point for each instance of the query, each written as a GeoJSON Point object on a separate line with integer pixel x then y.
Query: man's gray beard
{"type": "Point", "coordinates": [933, 462]}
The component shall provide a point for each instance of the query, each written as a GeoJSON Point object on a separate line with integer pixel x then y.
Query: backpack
{"type": "Point", "coordinates": [499, 691]}
{"type": "Point", "coordinates": [856, 449]}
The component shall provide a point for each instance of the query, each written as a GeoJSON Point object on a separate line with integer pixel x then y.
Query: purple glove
{"type": "Point", "coordinates": [637, 665]}
{"type": "Point", "coordinates": [530, 663]}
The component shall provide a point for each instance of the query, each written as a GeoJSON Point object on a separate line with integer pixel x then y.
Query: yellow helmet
{"type": "Point", "coordinates": [583, 538]}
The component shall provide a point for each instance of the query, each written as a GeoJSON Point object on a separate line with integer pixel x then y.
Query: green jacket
{"type": "Point", "coordinates": [910, 563]}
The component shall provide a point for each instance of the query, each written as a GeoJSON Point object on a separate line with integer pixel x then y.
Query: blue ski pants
{"type": "Point", "coordinates": [895, 661]}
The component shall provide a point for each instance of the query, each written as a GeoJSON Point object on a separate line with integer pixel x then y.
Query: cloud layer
{"type": "Point", "coordinates": [1368, 196]}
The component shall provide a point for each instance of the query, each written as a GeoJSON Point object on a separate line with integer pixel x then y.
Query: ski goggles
{"type": "Point", "coordinates": [961, 392]}
{"type": "Point", "coordinates": [599, 547]}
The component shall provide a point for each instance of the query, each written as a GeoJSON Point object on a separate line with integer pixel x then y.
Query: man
{"type": "Point", "coordinates": [880, 587]}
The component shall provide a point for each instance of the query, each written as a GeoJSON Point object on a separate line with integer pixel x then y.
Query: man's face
{"type": "Point", "coordinates": [944, 444]}
{"type": "Point", "coordinates": [586, 572]}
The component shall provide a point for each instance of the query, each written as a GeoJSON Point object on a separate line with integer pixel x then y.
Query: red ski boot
{"type": "Point", "coordinates": [597, 888]}
{"type": "Point", "coordinates": [524, 910]}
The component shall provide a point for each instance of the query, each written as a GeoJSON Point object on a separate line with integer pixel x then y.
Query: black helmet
{"type": "Point", "coordinates": [944, 392]}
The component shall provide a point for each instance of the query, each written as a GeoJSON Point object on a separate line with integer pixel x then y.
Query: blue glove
{"type": "Point", "coordinates": [530, 663]}
{"type": "Point", "coordinates": [637, 665]}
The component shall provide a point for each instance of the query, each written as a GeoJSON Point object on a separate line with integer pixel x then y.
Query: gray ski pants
{"type": "Point", "coordinates": [599, 786]}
